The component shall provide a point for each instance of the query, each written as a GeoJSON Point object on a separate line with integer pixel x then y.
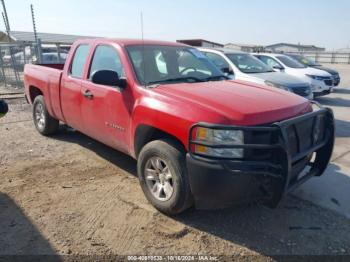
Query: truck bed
{"type": "Point", "coordinates": [47, 79]}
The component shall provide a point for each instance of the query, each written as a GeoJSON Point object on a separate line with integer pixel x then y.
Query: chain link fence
{"type": "Point", "coordinates": [327, 57]}
{"type": "Point", "coordinates": [14, 56]}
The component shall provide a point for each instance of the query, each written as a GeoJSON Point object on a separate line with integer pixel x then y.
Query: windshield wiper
{"type": "Point", "coordinates": [220, 77]}
{"type": "Point", "coordinates": [170, 80]}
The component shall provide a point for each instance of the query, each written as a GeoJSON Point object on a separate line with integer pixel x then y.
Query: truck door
{"type": "Point", "coordinates": [71, 88]}
{"type": "Point", "coordinates": [104, 109]}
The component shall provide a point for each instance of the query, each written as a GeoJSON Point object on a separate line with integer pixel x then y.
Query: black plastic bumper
{"type": "Point", "coordinates": [289, 160]}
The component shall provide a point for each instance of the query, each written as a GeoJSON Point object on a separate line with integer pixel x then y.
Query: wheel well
{"type": "Point", "coordinates": [34, 92]}
{"type": "Point", "coordinates": [145, 134]}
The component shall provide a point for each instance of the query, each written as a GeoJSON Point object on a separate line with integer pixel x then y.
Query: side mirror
{"type": "Point", "coordinates": [227, 71]}
{"type": "Point", "coordinates": [108, 78]}
{"type": "Point", "coordinates": [278, 67]}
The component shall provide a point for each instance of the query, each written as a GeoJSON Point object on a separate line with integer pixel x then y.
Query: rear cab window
{"type": "Point", "coordinates": [79, 60]}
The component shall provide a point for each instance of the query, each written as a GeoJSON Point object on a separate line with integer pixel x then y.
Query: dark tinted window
{"type": "Point", "coordinates": [290, 62]}
{"type": "Point", "coordinates": [219, 61]}
{"type": "Point", "coordinates": [106, 58]}
{"type": "Point", "coordinates": [79, 61]}
{"type": "Point", "coordinates": [269, 61]}
{"type": "Point", "coordinates": [303, 60]}
{"type": "Point", "coordinates": [249, 64]}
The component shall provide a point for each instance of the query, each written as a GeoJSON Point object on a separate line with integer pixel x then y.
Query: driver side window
{"type": "Point", "coordinates": [106, 58]}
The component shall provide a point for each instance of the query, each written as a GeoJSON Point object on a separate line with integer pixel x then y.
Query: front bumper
{"type": "Point", "coordinates": [320, 87]}
{"type": "Point", "coordinates": [336, 80]}
{"type": "Point", "coordinates": [268, 171]}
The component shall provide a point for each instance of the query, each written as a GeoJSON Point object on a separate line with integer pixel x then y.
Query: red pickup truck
{"type": "Point", "coordinates": [198, 137]}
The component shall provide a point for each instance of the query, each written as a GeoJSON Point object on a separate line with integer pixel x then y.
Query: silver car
{"type": "Point", "coordinates": [243, 66]}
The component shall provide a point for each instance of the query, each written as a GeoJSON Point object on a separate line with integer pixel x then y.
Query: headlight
{"type": "Point", "coordinates": [277, 85]}
{"type": "Point", "coordinates": [219, 137]}
{"type": "Point", "coordinates": [320, 78]}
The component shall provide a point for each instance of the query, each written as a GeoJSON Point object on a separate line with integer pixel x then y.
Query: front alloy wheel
{"type": "Point", "coordinates": [162, 172]}
{"type": "Point", "coordinates": [159, 179]}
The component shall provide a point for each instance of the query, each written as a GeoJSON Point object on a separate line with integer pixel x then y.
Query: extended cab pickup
{"type": "Point", "coordinates": [198, 137]}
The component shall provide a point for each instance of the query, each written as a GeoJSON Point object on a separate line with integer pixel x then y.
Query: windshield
{"type": "Point", "coordinates": [171, 64]}
{"type": "Point", "coordinates": [304, 60]}
{"type": "Point", "coordinates": [287, 61]}
{"type": "Point", "coordinates": [249, 64]}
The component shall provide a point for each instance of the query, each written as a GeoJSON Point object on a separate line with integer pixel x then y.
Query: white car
{"type": "Point", "coordinates": [243, 66]}
{"type": "Point", "coordinates": [321, 82]}
{"type": "Point", "coordinates": [51, 58]}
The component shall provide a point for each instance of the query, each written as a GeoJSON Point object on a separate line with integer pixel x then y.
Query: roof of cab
{"type": "Point", "coordinates": [129, 42]}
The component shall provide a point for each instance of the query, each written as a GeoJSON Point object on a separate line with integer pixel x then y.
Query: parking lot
{"type": "Point", "coordinates": [72, 195]}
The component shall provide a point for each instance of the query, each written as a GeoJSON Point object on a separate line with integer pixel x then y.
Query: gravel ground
{"type": "Point", "coordinates": [72, 195]}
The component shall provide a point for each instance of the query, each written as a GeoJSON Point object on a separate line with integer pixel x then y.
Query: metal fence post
{"type": "Point", "coordinates": [316, 57]}
{"type": "Point", "coordinates": [24, 54]}
{"type": "Point", "coordinates": [2, 68]}
{"type": "Point", "coordinates": [58, 53]}
{"type": "Point", "coordinates": [333, 58]}
{"type": "Point", "coordinates": [39, 53]}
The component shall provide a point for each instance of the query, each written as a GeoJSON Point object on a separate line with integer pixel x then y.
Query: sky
{"type": "Point", "coordinates": [324, 23]}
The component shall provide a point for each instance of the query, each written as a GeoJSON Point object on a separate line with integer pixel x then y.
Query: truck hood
{"type": "Point", "coordinates": [237, 102]}
{"type": "Point", "coordinates": [281, 79]}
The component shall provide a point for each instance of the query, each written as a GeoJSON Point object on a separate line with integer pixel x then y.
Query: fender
{"type": "Point", "coordinates": [169, 115]}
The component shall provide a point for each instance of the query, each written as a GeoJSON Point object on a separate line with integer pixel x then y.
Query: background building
{"type": "Point", "coordinates": [244, 47]}
{"type": "Point", "coordinates": [22, 37]}
{"type": "Point", "coordinates": [286, 47]}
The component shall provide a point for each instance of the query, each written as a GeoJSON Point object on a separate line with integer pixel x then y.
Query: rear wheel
{"type": "Point", "coordinates": [44, 123]}
{"type": "Point", "coordinates": [163, 176]}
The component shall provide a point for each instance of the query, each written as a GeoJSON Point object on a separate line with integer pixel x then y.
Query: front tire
{"type": "Point", "coordinates": [163, 176]}
{"type": "Point", "coordinates": [44, 123]}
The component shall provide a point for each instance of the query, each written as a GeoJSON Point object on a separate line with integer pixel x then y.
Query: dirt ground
{"type": "Point", "coordinates": [69, 194]}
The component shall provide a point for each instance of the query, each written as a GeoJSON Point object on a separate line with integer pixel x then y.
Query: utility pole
{"type": "Point", "coordinates": [33, 20]}
{"type": "Point", "coordinates": [7, 24]}
{"type": "Point", "coordinates": [37, 40]}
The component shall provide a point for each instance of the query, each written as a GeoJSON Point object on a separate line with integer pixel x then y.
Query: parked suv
{"type": "Point", "coordinates": [308, 62]}
{"type": "Point", "coordinates": [321, 82]}
{"type": "Point", "coordinates": [243, 66]}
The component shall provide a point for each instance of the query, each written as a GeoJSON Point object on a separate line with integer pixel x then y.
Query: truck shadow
{"type": "Point", "coordinates": [20, 240]}
{"type": "Point", "coordinates": [342, 90]}
{"type": "Point", "coordinates": [333, 101]}
{"type": "Point", "coordinates": [295, 227]}
{"type": "Point", "coordinates": [342, 128]}
{"type": "Point", "coordinates": [113, 156]}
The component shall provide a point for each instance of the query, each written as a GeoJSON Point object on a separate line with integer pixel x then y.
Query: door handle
{"type": "Point", "coordinates": [87, 94]}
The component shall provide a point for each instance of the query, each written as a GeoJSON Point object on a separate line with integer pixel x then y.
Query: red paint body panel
{"type": "Point", "coordinates": [113, 116]}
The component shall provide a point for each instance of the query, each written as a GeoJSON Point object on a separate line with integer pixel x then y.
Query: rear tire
{"type": "Point", "coordinates": [44, 123]}
{"type": "Point", "coordinates": [169, 189]}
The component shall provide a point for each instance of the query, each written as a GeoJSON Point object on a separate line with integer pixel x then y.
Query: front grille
{"type": "Point", "coordinates": [302, 91]}
{"type": "Point", "coordinates": [303, 135]}
{"type": "Point", "coordinates": [328, 82]}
